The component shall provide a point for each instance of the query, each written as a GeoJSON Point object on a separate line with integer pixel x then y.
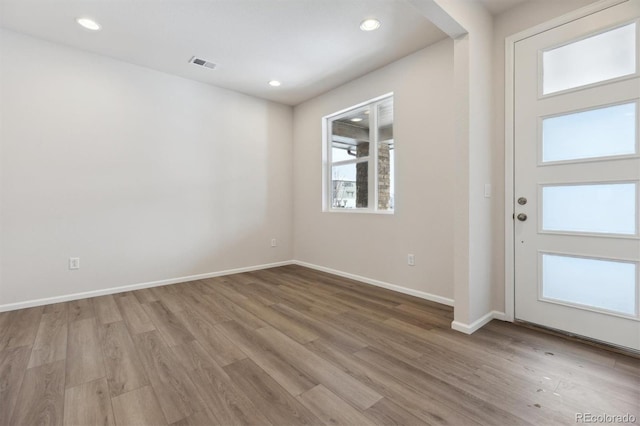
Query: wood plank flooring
{"type": "Point", "coordinates": [293, 346]}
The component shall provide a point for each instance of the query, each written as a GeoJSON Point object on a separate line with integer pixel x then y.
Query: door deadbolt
{"type": "Point", "coordinates": [522, 217]}
{"type": "Point", "coordinates": [522, 201]}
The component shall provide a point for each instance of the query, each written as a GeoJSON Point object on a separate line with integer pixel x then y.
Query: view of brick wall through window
{"type": "Point", "coordinates": [362, 177]}
{"type": "Point", "coordinates": [384, 176]}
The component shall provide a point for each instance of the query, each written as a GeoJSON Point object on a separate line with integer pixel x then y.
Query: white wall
{"type": "Point", "coordinates": [146, 176]}
{"type": "Point", "coordinates": [471, 27]}
{"type": "Point", "coordinates": [372, 245]}
{"type": "Point", "coordinates": [508, 23]}
{"type": "Point", "coordinates": [472, 239]}
{"type": "Point", "coordinates": [143, 175]}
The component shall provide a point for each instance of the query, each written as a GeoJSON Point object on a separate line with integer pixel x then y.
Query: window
{"type": "Point", "coordinates": [359, 158]}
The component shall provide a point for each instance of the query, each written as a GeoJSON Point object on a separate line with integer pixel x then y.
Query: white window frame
{"type": "Point", "coordinates": [371, 159]}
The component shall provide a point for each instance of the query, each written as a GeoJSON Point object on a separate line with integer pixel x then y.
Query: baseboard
{"type": "Point", "coordinates": [388, 286]}
{"type": "Point", "coordinates": [113, 290]}
{"type": "Point", "coordinates": [500, 316]}
{"type": "Point", "coordinates": [479, 323]}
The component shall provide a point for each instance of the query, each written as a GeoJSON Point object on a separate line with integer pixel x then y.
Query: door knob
{"type": "Point", "coordinates": [522, 217]}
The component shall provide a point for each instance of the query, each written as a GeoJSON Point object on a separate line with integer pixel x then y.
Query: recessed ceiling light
{"type": "Point", "coordinates": [369, 24]}
{"type": "Point", "coordinates": [274, 83]}
{"type": "Point", "coordinates": [89, 24]}
{"type": "Point", "coordinates": [356, 119]}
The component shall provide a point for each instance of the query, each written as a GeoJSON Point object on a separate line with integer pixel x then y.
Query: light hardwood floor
{"type": "Point", "coordinates": [293, 346]}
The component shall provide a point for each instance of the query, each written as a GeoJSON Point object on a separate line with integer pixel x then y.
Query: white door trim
{"type": "Point", "coordinates": [509, 255]}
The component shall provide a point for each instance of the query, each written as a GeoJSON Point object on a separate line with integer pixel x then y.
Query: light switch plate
{"type": "Point", "coordinates": [487, 190]}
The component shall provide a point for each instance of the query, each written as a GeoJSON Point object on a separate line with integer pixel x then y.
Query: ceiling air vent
{"type": "Point", "coordinates": [202, 63]}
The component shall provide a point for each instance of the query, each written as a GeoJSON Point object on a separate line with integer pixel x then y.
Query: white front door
{"type": "Point", "coordinates": [577, 177]}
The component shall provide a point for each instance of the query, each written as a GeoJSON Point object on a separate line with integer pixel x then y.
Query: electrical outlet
{"type": "Point", "coordinates": [274, 243]}
{"type": "Point", "coordinates": [74, 263]}
{"type": "Point", "coordinates": [411, 260]}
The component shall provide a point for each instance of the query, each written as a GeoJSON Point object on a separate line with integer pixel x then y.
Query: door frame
{"type": "Point", "coordinates": [509, 139]}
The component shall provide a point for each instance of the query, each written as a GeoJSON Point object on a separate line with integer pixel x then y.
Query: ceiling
{"type": "Point", "coordinates": [311, 46]}
{"type": "Point", "coordinates": [496, 7]}
{"type": "Point", "coordinates": [360, 117]}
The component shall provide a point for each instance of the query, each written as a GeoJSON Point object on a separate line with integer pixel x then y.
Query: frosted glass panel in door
{"type": "Point", "coordinates": [601, 208]}
{"type": "Point", "coordinates": [596, 283]}
{"type": "Point", "coordinates": [601, 57]}
{"type": "Point", "coordinates": [601, 132]}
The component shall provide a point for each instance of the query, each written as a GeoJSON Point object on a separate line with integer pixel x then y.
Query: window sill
{"type": "Point", "coordinates": [362, 211]}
